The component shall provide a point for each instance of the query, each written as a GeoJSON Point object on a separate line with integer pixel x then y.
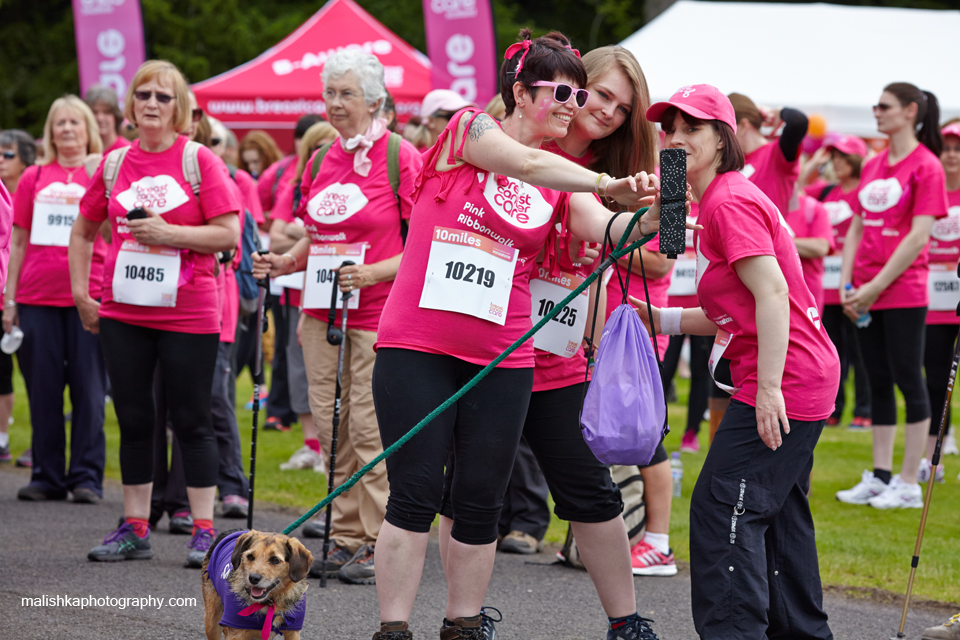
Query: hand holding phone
{"type": "Point", "coordinates": [136, 214]}
{"type": "Point", "coordinates": [673, 196]}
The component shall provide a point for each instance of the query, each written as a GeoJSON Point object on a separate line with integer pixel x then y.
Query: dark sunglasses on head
{"type": "Point", "coordinates": [215, 141]}
{"type": "Point", "coordinates": [143, 96]}
{"type": "Point", "coordinates": [197, 114]}
{"type": "Point", "coordinates": [882, 107]}
{"type": "Point", "coordinates": [9, 155]}
{"type": "Point", "coordinates": [563, 92]}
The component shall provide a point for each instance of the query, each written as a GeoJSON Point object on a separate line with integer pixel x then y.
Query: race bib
{"type": "Point", "coordinates": [55, 208]}
{"type": "Point", "coordinates": [720, 345]}
{"type": "Point", "coordinates": [469, 273]}
{"type": "Point", "coordinates": [289, 281]}
{"type": "Point", "coordinates": [322, 264]}
{"type": "Point", "coordinates": [831, 272]}
{"type": "Point", "coordinates": [564, 333]}
{"type": "Point", "coordinates": [146, 275]}
{"type": "Point", "coordinates": [683, 282]}
{"type": "Point", "coordinates": [943, 286]}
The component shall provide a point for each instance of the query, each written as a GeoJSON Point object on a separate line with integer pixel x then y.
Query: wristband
{"type": "Point", "coordinates": [292, 257]}
{"type": "Point", "coordinates": [670, 320]}
{"type": "Point", "coordinates": [596, 185]}
{"type": "Point", "coordinates": [9, 304]}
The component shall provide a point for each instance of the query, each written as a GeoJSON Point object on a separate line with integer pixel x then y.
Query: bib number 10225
{"type": "Point", "coordinates": [148, 274]}
{"type": "Point", "coordinates": [466, 272]}
{"type": "Point", "coordinates": [567, 315]}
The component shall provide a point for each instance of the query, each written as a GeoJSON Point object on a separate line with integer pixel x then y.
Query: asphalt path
{"type": "Point", "coordinates": [43, 548]}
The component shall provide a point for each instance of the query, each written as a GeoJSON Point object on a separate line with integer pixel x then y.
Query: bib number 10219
{"type": "Point", "coordinates": [470, 273]}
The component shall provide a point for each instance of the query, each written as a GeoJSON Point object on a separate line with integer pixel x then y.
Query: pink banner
{"type": "Point", "coordinates": [110, 45]}
{"type": "Point", "coordinates": [462, 47]}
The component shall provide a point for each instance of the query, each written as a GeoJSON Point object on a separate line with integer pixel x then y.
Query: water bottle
{"type": "Point", "coordinates": [864, 320]}
{"type": "Point", "coordinates": [676, 471]}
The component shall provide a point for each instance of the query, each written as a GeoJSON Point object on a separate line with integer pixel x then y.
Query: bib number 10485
{"type": "Point", "coordinates": [469, 273]}
{"type": "Point", "coordinates": [146, 275]}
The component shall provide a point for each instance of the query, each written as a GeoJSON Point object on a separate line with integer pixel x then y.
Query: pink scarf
{"type": "Point", "coordinates": [361, 163]}
{"type": "Point", "coordinates": [267, 622]}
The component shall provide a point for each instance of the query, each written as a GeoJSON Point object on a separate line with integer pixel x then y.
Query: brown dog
{"type": "Point", "coordinates": [254, 585]}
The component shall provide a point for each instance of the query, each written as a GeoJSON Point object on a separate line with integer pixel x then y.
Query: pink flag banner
{"type": "Point", "coordinates": [462, 47]}
{"type": "Point", "coordinates": [110, 45]}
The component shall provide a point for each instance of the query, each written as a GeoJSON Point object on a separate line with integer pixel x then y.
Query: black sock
{"type": "Point", "coordinates": [882, 475]}
{"type": "Point", "coordinates": [616, 623]}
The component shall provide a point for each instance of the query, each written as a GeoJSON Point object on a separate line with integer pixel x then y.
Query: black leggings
{"type": "Point", "coordinates": [187, 361]}
{"type": "Point", "coordinates": [700, 380]}
{"type": "Point", "coordinates": [937, 359]}
{"type": "Point", "coordinates": [484, 428]}
{"type": "Point", "coordinates": [843, 333]}
{"type": "Point", "coordinates": [892, 348]}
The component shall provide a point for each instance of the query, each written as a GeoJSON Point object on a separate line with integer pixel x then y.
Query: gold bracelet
{"type": "Point", "coordinates": [604, 194]}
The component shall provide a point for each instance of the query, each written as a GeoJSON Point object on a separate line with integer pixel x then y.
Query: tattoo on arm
{"type": "Point", "coordinates": [481, 125]}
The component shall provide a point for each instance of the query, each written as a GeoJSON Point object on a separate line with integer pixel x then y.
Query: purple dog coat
{"type": "Point", "coordinates": [236, 613]}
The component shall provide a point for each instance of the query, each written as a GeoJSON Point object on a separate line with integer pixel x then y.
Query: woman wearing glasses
{"type": "Point", "coordinates": [885, 263]}
{"type": "Point", "coordinates": [159, 298]}
{"type": "Point", "coordinates": [56, 352]}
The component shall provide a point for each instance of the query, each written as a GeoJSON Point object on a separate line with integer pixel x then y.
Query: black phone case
{"type": "Point", "coordinates": [673, 193]}
{"type": "Point", "coordinates": [136, 214]}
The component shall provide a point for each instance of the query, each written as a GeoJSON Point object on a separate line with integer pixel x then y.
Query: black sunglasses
{"type": "Point", "coordinates": [9, 155]}
{"type": "Point", "coordinates": [215, 141]}
{"type": "Point", "coordinates": [197, 114]}
{"type": "Point", "coordinates": [143, 96]}
{"type": "Point", "coordinates": [882, 107]}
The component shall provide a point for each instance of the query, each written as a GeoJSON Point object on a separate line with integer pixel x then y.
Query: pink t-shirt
{"type": "Point", "coordinates": [769, 170]}
{"type": "Point", "coordinates": [6, 232]}
{"type": "Point", "coordinates": [944, 255]}
{"type": "Point", "coordinates": [251, 198]}
{"type": "Point", "coordinates": [265, 183]}
{"type": "Point", "coordinates": [840, 206]}
{"type": "Point", "coordinates": [156, 181]}
{"type": "Point", "coordinates": [340, 206]}
{"type": "Point", "coordinates": [888, 200]}
{"type": "Point", "coordinates": [684, 274]}
{"type": "Point", "coordinates": [656, 286]}
{"type": "Point", "coordinates": [740, 222]}
{"type": "Point", "coordinates": [283, 210]}
{"type": "Point", "coordinates": [49, 196]}
{"type": "Point", "coordinates": [485, 212]}
{"type": "Point", "coordinates": [811, 220]}
{"type": "Point", "coordinates": [119, 143]}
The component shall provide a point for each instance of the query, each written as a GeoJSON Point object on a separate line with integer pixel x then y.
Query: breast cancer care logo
{"type": "Point", "coordinates": [948, 229]}
{"type": "Point", "coordinates": [839, 211]}
{"type": "Point", "coordinates": [880, 195]}
{"type": "Point", "coordinates": [160, 193]}
{"type": "Point", "coordinates": [686, 91]}
{"type": "Point", "coordinates": [60, 193]}
{"type": "Point", "coordinates": [519, 203]}
{"type": "Point", "coordinates": [336, 203]}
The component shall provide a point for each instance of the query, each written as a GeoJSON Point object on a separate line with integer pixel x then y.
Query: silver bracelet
{"type": "Point", "coordinates": [294, 259]}
{"type": "Point", "coordinates": [9, 304]}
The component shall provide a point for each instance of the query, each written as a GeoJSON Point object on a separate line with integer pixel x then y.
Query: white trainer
{"type": "Point", "coordinates": [923, 473]}
{"type": "Point", "coordinates": [304, 458]}
{"type": "Point", "coordinates": [950, 444]}
{"type": "Point", "coordinates": [868, 487]}
{"type": "Point", "coordinates": [899, 495]}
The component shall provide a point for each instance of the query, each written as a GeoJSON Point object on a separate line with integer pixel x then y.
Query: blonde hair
{"type": "Point", "coordinates": [94, 143]}
{"type": "Point", "coordinates": [495, 108]}
{"type": "Point", "coordinates": [633, 146]}
{"type": "Point", "coordinates": [154, 69]}
{"type": "Point", "coordinates": [309, 143]}
{"type": "Point", "coordinates": [419, 135]}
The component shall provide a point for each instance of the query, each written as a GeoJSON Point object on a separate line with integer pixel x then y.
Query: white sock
{"type": "Point", "coordinates": [4, 439]}
{"type": "Point", "coordinates": [659, 541]}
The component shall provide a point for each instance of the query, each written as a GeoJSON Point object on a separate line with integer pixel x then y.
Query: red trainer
{"type": "Point", "coordinates": [861, 423]}
{"type": "Point", "coordinates": [689, 443]}
{"type": "Point", "coordinates": [274, 424]}
{"type": "Point", "coordinates": [833, 421]}
{"type": "Point", "coordinates": [648, 561]}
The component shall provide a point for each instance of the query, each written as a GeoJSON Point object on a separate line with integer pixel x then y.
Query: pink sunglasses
{"type": "Point", "coordinates": [563, 92]}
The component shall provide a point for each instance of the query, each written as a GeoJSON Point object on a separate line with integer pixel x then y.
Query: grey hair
{"type": "Point", "coordinates": [106, 95]}
{"type": "Point", "coordinates": [23, 141]}
{"type": "Point", "coordinates": [365, 66]}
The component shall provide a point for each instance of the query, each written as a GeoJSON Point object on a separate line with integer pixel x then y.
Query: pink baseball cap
{"type": "Point", "coordinates": [850, 145]}
{"type": "Point", "coordinates": [700, 101]}
{"type": "Point", "coordinates": [443, 100]}
{"type": "Point", "coordinates": [951, 130]}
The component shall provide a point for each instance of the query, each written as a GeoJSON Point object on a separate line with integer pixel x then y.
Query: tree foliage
{"type": "Point", "coordinates": [206, 37]}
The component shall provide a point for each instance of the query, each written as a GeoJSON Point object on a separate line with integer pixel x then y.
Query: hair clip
{"type": "Point", "coordinates": [576, 52]}
{"type": "Point", "coordinates": [512, 51]}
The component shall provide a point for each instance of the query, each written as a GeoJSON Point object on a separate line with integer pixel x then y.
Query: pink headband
{"type": "Point", "coordinates": [525, 45]}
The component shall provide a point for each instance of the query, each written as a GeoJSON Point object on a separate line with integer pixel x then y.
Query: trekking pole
{"type": "Point", "coordinates": [334, 338]}
{"type": "Point", "coordinates": [933, 474]}
{"type": "Point", "coordinates": [262, 287]}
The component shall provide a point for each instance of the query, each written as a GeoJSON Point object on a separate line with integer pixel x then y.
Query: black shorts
{"type": "Point", "coordinates": [6, 374]}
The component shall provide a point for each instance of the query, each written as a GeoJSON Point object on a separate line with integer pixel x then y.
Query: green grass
{"type": "Point", "coordinates": [859, 547]}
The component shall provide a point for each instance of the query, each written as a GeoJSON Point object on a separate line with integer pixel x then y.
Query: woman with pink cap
{"type": "Point", "coordinates": [753, 557]}
{"type": "Point", "coordinates": [846, 154]}
{"type": "Point", "coordinates": [943, 285]}
{"type": "Point", "coordinates": [886, 265]}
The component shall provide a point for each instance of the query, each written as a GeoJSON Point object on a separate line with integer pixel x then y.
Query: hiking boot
{"type": "Point", "coordinates": [26, 459]}
{"type": "Point", "coordinates": [949, 630]}
{"type": "Point", "coordinates": [304, 458]}
{"type": "Point", "coordinates": [861, 493]}
{"type": "Point", "coordinates": [486, 622]}
{"type": "Point", "coordinates": [234, 507]}
{"type": "Point", "coordinates": [359, 569]}
{"type": "Point", "coordinates": [923, 473]}
{"type": "Point", "coordinates": [199, 545]}
{"type": "Point", "coordinates": [122, 544]}
{"type": "Point", "coordinates": [520, 542]}
{"type": "Point", "coordinates": [647, 560]}
{"type": "Point", "coordinates": [181, 523]}
{"type": "Point", "coordinates": [899, 495]}
{"type": "Point", "coordinates": [275, 424]}
{"type": "Point", "coordinates": [634, 629]}
{"type": "Point", "coordinates": [315, 528]}
{"type": "Point", "coordinates": [462, 629]}
{"type": "Point", "coordinates": [337, 557]}
{"type": "Point", "coordinates": [689, 443]}
{"type": "Point", "coordinates": [33, 493]}
{"type": "Point", "coordinates": [393, 631]}
{"type": "Point", "coordinates": [85, 495]}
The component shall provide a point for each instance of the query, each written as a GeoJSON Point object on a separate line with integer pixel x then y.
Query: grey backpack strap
{"type": "Point", "coordinates": [191, 165]}
{"type": "Point", "coordinates": [111, 168]}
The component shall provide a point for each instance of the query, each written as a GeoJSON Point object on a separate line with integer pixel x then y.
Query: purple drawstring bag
{"type": "Point", "coordinates": [624, 413]}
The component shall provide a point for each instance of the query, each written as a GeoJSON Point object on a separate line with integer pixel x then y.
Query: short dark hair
{"type": "Point", "coordinates": [304, 123]}
{"type": "Point", "coordinates": [731, 154]}
{"type": "Point", "coordinates": [854, 160]}
{"type": "Point", "coordinates": [100, 93]}
{"type": "Point", "coordinates": [549, 56]}
{"type": "Point", "coordinates": [23, 141]}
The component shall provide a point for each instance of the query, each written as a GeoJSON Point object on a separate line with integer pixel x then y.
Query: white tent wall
{"type": "Point", "coordinates": [826, 59]}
